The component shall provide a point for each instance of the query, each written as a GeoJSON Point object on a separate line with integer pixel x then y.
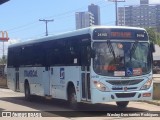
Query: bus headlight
{"type": "Point", "coordinates": [147, 85]}
{"type": "Point", "coordinates": [100, 86]}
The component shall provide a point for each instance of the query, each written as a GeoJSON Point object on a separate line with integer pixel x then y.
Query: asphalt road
{"type": "Point", "coordinates": [14, 103]}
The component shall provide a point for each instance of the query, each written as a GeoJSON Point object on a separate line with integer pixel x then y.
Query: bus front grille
{"type": "Point", "coordinates": [125, 95]}
{"type": "Point", "coordinates": [121, 88]}
{"type": "Point", "coordinates": [124, 82]}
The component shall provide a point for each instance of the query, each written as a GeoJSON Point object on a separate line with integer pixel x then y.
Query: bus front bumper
{"type": "Point", "coordinates": [100, 97]}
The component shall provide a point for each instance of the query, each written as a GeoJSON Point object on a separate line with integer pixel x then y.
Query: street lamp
{"type": "Point", "coordinates": [116, 1]}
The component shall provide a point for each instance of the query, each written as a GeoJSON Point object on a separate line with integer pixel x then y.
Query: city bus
{"type": "Point", "coordinates": [91, 65]}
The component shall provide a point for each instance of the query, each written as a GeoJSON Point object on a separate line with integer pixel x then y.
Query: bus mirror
{"type": "Point", "coordinates": [152, 46]}
{"type": "Point", "coordinates": [93, 53]}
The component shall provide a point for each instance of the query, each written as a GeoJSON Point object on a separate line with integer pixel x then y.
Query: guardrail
{"type": "Point", "coordinates": [156, 77]}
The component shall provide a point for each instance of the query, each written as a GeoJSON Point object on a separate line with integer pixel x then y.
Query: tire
{"type": "Point", "coordinates": [72, 99]}
{"type": "Point", "coordinates": [122, 104]}
{"type": "Point", "coordinates": [27, 92]}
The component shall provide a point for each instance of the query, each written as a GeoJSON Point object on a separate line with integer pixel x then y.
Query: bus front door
{"type": "Point", "coordinates": [85, 74]}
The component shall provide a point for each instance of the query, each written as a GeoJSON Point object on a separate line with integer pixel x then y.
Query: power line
{"type": "Point", "coordinates": [72, 11]}
{"type": "Point", "coordinates": [58, 16]}
{"type": "Point", "coordinates": [22, 26]}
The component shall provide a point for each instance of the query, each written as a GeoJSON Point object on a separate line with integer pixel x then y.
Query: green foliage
{"type": "Point", "coordinates": [158, 38]}
{"type": "Point", "coordinates": [154, 36]}
{"type": "Point", "coordinates": [3, 60]}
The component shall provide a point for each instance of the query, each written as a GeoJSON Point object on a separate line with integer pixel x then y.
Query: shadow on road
{"type": "Point", "coordinates": [60, 107]}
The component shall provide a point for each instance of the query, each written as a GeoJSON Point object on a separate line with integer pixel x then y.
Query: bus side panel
{"type": "Point", "coordinates": [21, 79]}
{"type": "Point", "coordinates": [11, 78]}
{"type": "Point", "coordinates": [45, 82]}
{"type": "Point", "coordinates": [34, 76]}
{"type": "Point", "coordinates": [61, 77]}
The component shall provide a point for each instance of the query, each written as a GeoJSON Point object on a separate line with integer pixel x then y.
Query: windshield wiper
{"type": "Point", "coordinates": [111, 49]}
{"type": "Point", "coordinates": [133, 49]}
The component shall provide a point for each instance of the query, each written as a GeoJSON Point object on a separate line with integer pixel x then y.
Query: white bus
{"type": "Point", "coordinates": [92, 65]}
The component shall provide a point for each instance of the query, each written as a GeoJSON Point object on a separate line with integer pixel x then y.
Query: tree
{"type": "Point", "coordinates": [154, 36]}
{"type": "Point", "coordinates": [158, 38]}
{"type": "Point", "coordinates": [3, 60]}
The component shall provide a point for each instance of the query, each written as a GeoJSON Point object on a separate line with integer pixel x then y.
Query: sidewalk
{"type": "Point", "coordinates": [154, 102]}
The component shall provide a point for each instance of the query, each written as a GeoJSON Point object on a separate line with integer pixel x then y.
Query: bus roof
{"type": "Point", "coordinates": [87, 30]}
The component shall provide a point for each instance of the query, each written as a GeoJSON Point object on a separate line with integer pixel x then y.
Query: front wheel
{"type": "Point", "coordinates": [72, 99]}
{"type": "Point", "coordinates": [122, 104]}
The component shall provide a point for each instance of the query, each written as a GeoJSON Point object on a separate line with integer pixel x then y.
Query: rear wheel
{"type": "Point", "coordinates": [27, 92]}
{"type": "Point", "coordinates": [122, 104]}
{"type": "Point", "coordinates": [72, 98]}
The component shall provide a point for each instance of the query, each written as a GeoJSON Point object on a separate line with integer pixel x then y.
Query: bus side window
{"type": "Point", "coordinates": [55, 53]}
{"type": "Point", "coordinates": [85, 55]}
{"type": "Point", "coordinates": [16, 57]}
{"type": "Point", "coordinates": [72, 51]}
{"type": "Point", "coordinates": [59, 53]}
{"type": "Point", "coordinates": [27, 55]}
{"type": "Point", "coordinates": [39, 56]}
{"type": "Point", "coordinates": [50, 49]}
{"type": "Point", "coordinates": [10, 57]}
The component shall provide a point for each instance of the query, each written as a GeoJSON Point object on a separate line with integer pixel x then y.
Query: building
{"type": "Point", "coordinates": [95, 10]}
{"type": "Point", "coordinates": [121, 15]}
{"type": "Point", "coordinates": [84, 19]}
{"type": "Point", "coordinates": [144, 2]}
{"type": "Point", "coordinates": [143, 15]}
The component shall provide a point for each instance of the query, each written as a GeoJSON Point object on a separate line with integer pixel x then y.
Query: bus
{"type": "Point", "coordinates": [92, 65]}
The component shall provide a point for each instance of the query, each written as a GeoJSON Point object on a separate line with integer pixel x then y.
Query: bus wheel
{"type": "Point", "coordinates": [27, 92]}
{"type": "Point", "coordinates": [122, 104]}
{"type": "Point", "coordinates": [72, 98]}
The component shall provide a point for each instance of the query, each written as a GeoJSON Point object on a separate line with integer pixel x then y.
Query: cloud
{"type": "Point", "coordinates": [13, 41]}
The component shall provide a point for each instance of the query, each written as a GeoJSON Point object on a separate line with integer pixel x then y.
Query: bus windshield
{"type": "Point", "coordinates": [121, 58]}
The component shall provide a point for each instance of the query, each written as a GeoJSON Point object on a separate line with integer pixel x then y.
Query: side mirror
{"type": "Point", "coordinates": [93, 53]}
{"type": "Point", "coordinates": [152, 46]}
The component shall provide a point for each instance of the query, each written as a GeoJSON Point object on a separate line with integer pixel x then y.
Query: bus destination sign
{"type": "Point", "coordinates": [130, 34]}
{"type": "Point", "coordinates": [121, 34]}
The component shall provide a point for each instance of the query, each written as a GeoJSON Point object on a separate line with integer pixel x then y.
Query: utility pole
{"type": "Point", "coordinates": [116, 7]}
{"type": "Point", "coordinates": [3, 53]}
{"type": "Point", "coordinates": [46, 21]}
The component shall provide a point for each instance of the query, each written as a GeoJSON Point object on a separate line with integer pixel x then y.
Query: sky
{"type": "Point", "coordinates": [20, 18]}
